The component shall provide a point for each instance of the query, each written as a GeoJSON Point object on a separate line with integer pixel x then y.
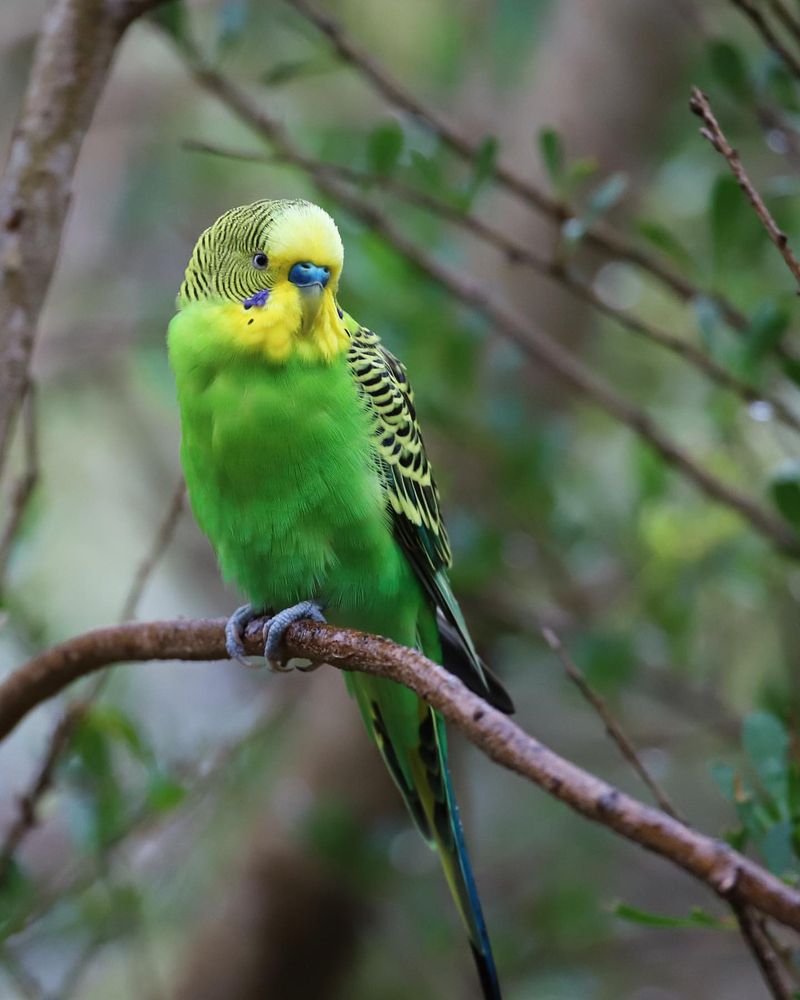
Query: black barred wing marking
{"type": "Point", "coordinates": [413, 502]}
{"type": "Point", "coordinates": [400, 454]}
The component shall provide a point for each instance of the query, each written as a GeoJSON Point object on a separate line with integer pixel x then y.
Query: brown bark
{"type": "Point", "coordinates": [727, 872]}
{"type": "Point", "coordinates": [73, 55]}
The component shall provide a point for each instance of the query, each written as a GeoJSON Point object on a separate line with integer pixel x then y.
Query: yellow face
{"type": "Point", "coordinates": [271, 270]}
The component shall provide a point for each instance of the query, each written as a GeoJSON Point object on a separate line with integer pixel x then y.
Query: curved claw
{"type": "Point", "coordinates": [234, 632]}
{"type": "Point", "coordinates": [275, 630]}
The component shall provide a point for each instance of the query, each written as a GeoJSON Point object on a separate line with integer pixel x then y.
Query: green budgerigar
{"type": "Point", "coordinates": [306, 469]}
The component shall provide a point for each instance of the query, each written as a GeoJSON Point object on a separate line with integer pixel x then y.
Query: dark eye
{"type": "Point", "coordinates": [260, 261]}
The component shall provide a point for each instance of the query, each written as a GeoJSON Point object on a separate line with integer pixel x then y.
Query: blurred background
{"type": "Point", "coordinates": [217, 833]}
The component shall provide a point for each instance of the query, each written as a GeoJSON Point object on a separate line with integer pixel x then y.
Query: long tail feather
{"type": "Point", "coordinates": [412, 741]}
{"type": "Point", "coordinates": [458, 871]}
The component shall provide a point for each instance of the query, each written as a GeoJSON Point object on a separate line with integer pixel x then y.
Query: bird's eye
{"type": "Point", "coordinates": [260, 261]}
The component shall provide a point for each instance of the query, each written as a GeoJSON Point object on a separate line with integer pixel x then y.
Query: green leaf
{"type": "Point", "coordinates": [163, 792]}
{"type": "Point", "coordinates": [791, 369]}
{"type": "Point", "coordinates": [724, 777]}
{"type": "Point", "coordinates": [784, 489]}
{"type": "Point", "coordinates": [709, 320]}
{"type": "Point", "coordinates": [651, 472]}
{"type": "Point", "coordinates": [697, 918]}
{"type": "Point", "coordinates": [726, 216]}
{"type": "Point", "coordinates": [578, 171]}
{"type": "Point", "coordinates": [777, 849]}
{"type": "Point", "coordinates": [90, 745]}
{"type": "Point", "coordinates": [551, 150]}
{"type": "Point", "coordinates": [427, 168]}
{"type": "Point", "coordinates": [605, 196]}
{"type": "Point", "coordinates": [17, 892]}
{"type": "Point", "coordinates": [766, 743]}
{"type": "Point", "coordinates": [384, 146]}
{"type": "Point", "coordinates": [767, 327]}
{"type": "Point", "coordinates": [172, 18]}
{"type": "Point", "coordinates": [231, 22]}
{"type": "Point", "coordinates": [729, 67]}
{"type": "Point", "coordinates": [737, 838]}
{"type": "Point", "coordinates": [662, 239]}
{"type": "Point", "coordinates": [118, 727]}
{"type": "Point", "coordinates": [484, 163]}
{"type": "Point", "coordinates": [573, 231]}
{"type": "Point", "coordinates": [294, 69]}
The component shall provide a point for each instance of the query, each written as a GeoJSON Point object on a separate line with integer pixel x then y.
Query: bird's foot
{"type": "Point", "coordinates": [275, 629]}
{"type": "Point", "coordinates": [234, 632]}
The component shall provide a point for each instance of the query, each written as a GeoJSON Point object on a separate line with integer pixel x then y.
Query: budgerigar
{"type": "Point", "coordinates": [306, 470]}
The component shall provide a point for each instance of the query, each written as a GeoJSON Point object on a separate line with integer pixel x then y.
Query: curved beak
{"type": "Point", "coordinates": [304, 274]}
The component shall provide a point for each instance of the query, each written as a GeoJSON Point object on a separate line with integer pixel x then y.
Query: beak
{"type": "Point", "coordinates": [304, 274]}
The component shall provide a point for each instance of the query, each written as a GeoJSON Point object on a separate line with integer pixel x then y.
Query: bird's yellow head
{"type": "Point", "coordinates": [271, 270]}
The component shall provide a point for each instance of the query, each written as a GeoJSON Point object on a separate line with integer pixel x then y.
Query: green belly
{"type": "Point", "coordinates": [280, 474]}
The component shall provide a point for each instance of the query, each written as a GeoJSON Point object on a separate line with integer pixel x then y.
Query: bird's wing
{"type": "Point", "coordinates": [413, 501]}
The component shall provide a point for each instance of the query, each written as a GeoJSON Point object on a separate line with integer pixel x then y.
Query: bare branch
{"type": "Point", "coordinates": [711, 130]}
{"type": "Point", "coordinates": [613, 728]}
{"type": "Point", "coordinates": [28, 802]}
{"type": "Point", "coordinates": [728, 873]}
{"type": "Point", "coordinates": [26, 484]}
{"type": "Point", "coordinates": [538, 346]}
{"type": "Point", "coordinates": [787, 19]}
{"type": "Point", "coordinates": [599, 237]}
{"type": "Point", "coordinates": [752, 926]}
{"type": "Point", "coordinates": [75, 47]}
{"type": "Point", "coordinates": [763, 27]}
{"type": "Point", "coordinates": [518, 254]}
{"type": "Point", "coordinates": [159, 545]}
{"type": "Point", "coordinates": [755, 936]}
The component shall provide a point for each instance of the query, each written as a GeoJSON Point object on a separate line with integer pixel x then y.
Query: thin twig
{"type": "Point", "coordinates": [519, 254]}
{"type": "Point", "coordinates": [23, 489]}
{"type": "Point", "coordinates": [541, 348]}
{"type": "Point", "coordinates": [144, 823]}
{"type": "Point", "coordinates": [752, 925]}
{"type": "Point", "coordinates": [787, 19]}
{"type": "Point", "coordinates": [462, 144]}
{"type": "Point", "coordinates": [75, 712]}
{"type": "Point", "coordinates": [763, 27]}
{"type": "Point", "coordinates": [711, 130]}
{"type": "Point", "coordinates": [753, 932]}
{"type": "Point", "coordinates": [727, 872]}
{"type": "Point", "coordinates": [159, 545]}
{"type": "Point", "coordinates": [613, 728]}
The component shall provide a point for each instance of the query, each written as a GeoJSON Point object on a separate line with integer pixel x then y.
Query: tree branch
{"type": "Point", "coordinates": [62, 732]}
{"type": "Point", "coordinates": [73, 55]}
{"type": "Point", "coordinates": [712, 131]}
{"type": "Point", "coordinates": [763, 27]}
{"type": "Point", "coordinates": [464, 146]}
{"type": "Point", "coordinates": [725, 871]}
{"type": "Point", "coordinates": [752, 925]}
{"type": "Point", "coordinates": [22, 491]}
{"type": "Point", "coordinates": [613, 728]}
{"type": "Point", "coordinates": [787, 19]}
{"type": "Point", "coordinates": [755, 935]}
